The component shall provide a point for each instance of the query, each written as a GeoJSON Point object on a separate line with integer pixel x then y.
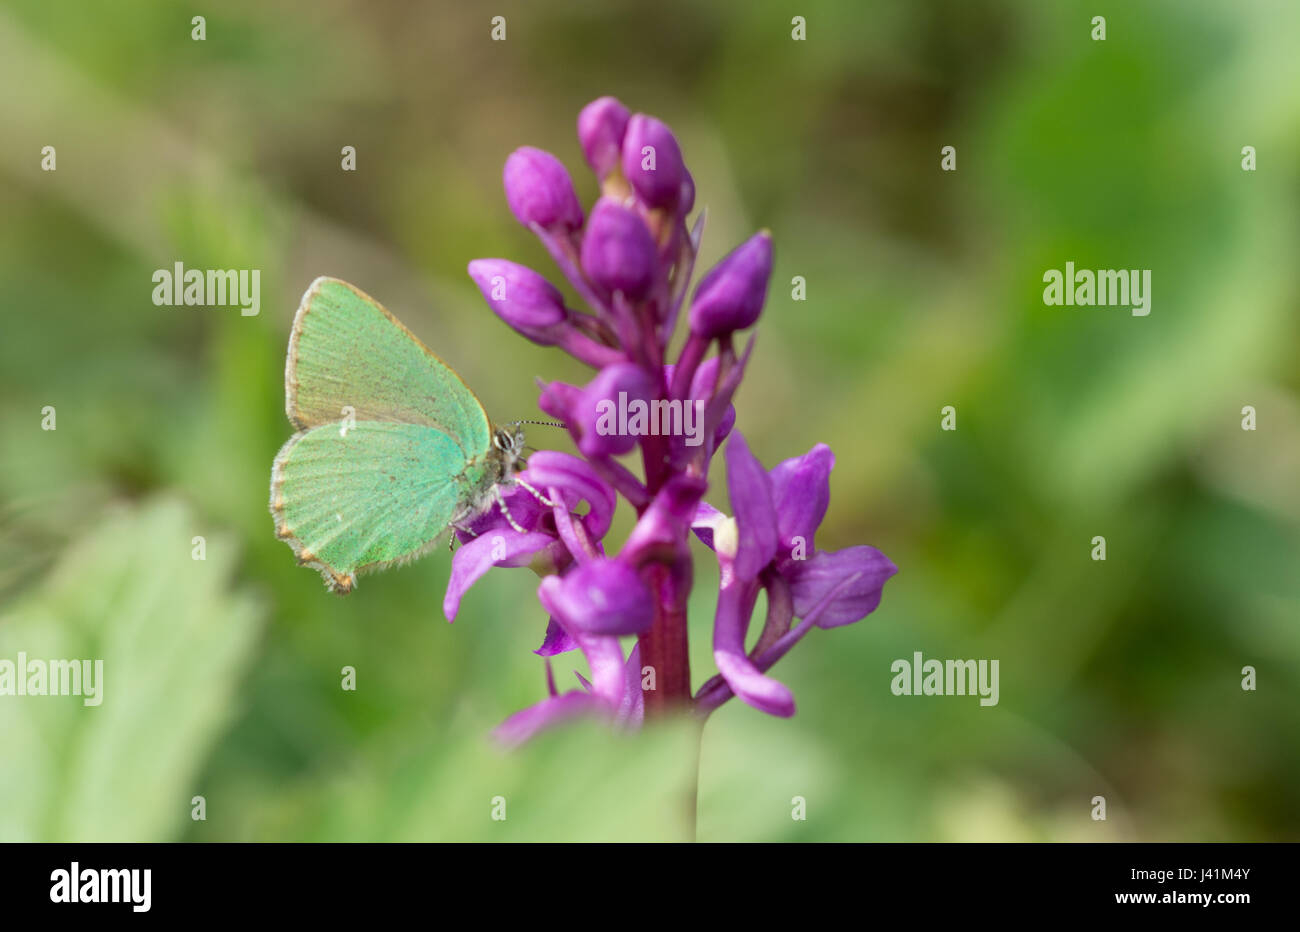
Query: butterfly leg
{"type": "Point", "coordinates": [536, 494]}
{"type": "Point", "coordinates": [451, 541]}
{"type": "Point", "coordinates": [496, 490]}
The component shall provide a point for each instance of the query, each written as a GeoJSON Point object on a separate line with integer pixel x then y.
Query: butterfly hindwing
{"type": "Point", "coordinates": [353, 498]}
{"type": "Point", "coordinates": [348, 356]}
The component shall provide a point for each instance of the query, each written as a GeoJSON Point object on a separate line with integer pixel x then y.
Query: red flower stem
{"type": "Point", "coordinates": [665, 649]}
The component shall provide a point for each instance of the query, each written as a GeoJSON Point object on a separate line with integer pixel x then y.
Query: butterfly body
{"type": "Point", "coordinates": [392, 447]}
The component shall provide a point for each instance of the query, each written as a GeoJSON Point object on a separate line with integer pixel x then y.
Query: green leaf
{"type": "Point", "coordinates": [173, 639]}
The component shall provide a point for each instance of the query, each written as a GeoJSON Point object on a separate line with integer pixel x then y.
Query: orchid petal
{"type": "Point", "coordinates": [552, 711]}
{"type": "Point", "coordinates": [557, 641]}
{"type": "Point", "coordinates": [575, 478]}
{"type": "Point", "coordinates": [735, 603]}
{"type": "Point", "coordinates": [707, 521]}
{"type": "Point", "coordinates": [474, 559]}
{"type": "Point", "coordinates": [601, 596]}
{"type": "Point", "coordinates": [801, 490]}
{"type": "Point", "coordinates": [631, 711]}
{"type": "Point", "coordinates": [812, 579]}
{"type": "Point", "coordinates": [751, 501]}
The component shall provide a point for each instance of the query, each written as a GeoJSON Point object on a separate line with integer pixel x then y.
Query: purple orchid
{"type": "Point", "coordinates": [631, 259]}
{"type": "Point", "coordinates": [766, 547]}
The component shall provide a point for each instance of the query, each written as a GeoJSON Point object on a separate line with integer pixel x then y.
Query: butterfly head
{"type": "Point", "coordinates": [508, 444]}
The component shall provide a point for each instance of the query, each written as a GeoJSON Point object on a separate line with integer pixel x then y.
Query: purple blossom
{"type": "Point", "coordinates": [618, 252]}
{"type": "Point", "coordinates": [731, 296]}
{"type": "Point", "coordinates": [600, 596]}
{"type": "Point", "coordinates": [602, 125]}
{"type": "Point", "coordinates": [768, 546]}
{"type": "Point", "coordinates": [521, 297]}
{"type": "Point", "coordinates": [539, 190]}
{"type": "Point", "coordinates": [631, 262]}
{"type": "Point", "coordinates": [652, 161]}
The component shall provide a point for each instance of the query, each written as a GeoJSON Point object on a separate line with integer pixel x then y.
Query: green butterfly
{"type": "Point", "coordinates": [392, 447]}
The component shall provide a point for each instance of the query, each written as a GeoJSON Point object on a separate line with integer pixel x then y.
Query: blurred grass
{"type": "Point", "coordinates": [924, 289]}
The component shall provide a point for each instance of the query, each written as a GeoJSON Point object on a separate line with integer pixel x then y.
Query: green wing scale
{"type": "Point", "coordinates": [391, 446]}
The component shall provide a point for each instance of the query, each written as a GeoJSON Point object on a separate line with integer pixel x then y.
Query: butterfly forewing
{"type": "Point", "coordinates": [349, 357]}
{"type": "Point", "coordinates": [350, 499]}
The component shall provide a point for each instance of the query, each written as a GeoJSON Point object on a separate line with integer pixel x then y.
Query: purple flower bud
{"type": "Point", "coordinates": [652, 161]}
{"type": "Point", "coordinates": [604, 409]}
{"type": "Point", "coordinates": [558, 400]}
{"type": "Point", "coordinates": [522, 298]}
{"type": "Point", "coordinates": [599, 597]}
{"type": "Point", "coordinates": [618, 252]}
{"type": "Point", "coordinates": [539, 190]}
{"type": "Point", "coordinates": [686, 200]}
{"type": "Point", "coordinates": [703, 385]}
{"type": "Point", "coordinates": [730, 297]}
{"type": "Point", "coordinates": [660, 533]}
{"type": "Point", "coordinates": [601, 126]}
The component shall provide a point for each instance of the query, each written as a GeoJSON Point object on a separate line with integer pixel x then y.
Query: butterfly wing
{"type": "Point", "coordinates": [347, 351]}
{"type": "Point", "coordinates": [351, 499]}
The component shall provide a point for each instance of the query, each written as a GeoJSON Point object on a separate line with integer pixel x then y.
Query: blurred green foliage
{"type": "Point", "coordinates": [1119, 678]}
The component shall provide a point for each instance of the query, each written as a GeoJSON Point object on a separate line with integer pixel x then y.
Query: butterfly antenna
{"type": "Point", "coordinates": [544, 423]}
